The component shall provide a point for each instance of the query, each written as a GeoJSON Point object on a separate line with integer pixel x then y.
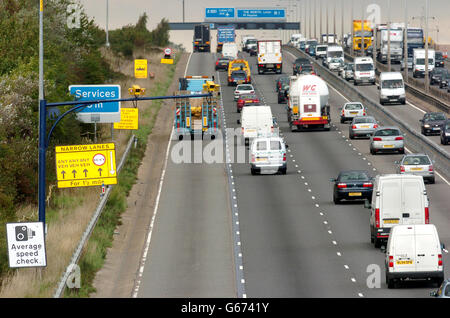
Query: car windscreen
{"type": "Point", "coordinates": [416, 160]}
{"type": "Point", "coordinates": [394, 83]}
{"type": "Point", "coordinates": [387, 132]}
{"type": "Point", "coordinates": [422, 61]}
{"type": "Point", "coordinates": [353, 176]}
{"type": "Point", "coordinates": [437, 116]}
{"type": "Point", "coordinates": [284, 80]}
{"type": "Point", "coordinates": [364, 67]}
{"type": "Point", "coordinates": [244, 87]}
{"type": "Point", "coordinates": [438, 55]}
{"type": "Point", "coordinates": [349, 67]}
{"type": "Point", "coordinates": [252, 41]}
{"type": "Point", "coordinates": [321, 48]}
{"type": "Point", "coordinates": [353, 106]}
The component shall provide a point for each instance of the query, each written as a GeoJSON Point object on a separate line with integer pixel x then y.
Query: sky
{"type": "Point", "coordinates": [123, 12]}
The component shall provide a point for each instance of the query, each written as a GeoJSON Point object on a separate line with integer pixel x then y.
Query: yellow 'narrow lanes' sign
{"type": "Point", "coordinates": [86, 165]}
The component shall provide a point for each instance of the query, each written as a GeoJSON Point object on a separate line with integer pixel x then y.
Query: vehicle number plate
{"type": "Point", "coordinates": [261, 159]}
{"type": "Point", "coordinates": [355, 194]}
{"type": "Point", "coordinates": [364, 126]}
{"type": "Point", "coordinates": [409, 262]}
{"type": "Point", "coordinates": [390, 221]}
{"type": "Point", "coordinates": [416, 169]}
{"type": "Point", "coordinates": [388, 146]}
{"type": "Point", "coordinates": [354, 113]}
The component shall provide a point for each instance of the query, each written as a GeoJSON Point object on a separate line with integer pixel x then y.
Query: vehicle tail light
{"type": "Point", "coordinates": [252, 92]}
{"type": "Point", "coordinates": [343, 113]}
{"type": "Point", "coordinates": [398, 138]}
{"type": "Point", "coordinates": [253, 158]}
{"type": "Point", "coordinates": [376, 139]}
{"type": "Point", "coordinates": [439, 259]}
{"type": "Point", "coordinates": [375, 126]}
{"type": "Point", "coordinates": [342, 185]}
{"type": "Point", "coordinates": [391, 261]}
{"type": "Point", "coordinates": [427, 215]}
{"type": "Point", "coordinates": [367, 185]}
{"type": "Point", "coordinates": [284, 157]}
{"type": "Point", "coordinates": [354, 127]}
{"type": "Point", "coordinates": [217, 63]}
{"type": "Point", "coordinates": [377, 218]}
{"type": "Point", "coordinates": [430, 168]}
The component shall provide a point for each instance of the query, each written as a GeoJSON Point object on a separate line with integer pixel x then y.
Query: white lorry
{"type": "Point", "coordinates": [396, 199]}
{"type": "Point", "coordinates": [308, 103]}
{"type": "Point", "coordinates": [269, 56]}
{"type": "Point", "coordinates": [363, 71]}
{"type": "Point", "coordinates": [331, 38]}
{"type": "Point", "coordinates": [244, 39]}
{"type": "Point", "coordinates": [230, 49]}
{"type": "Point", "coordinates": [414, 252]}
{"type": "Point", "coordinates": [256, 121]}
{"type": "Point", "coordinates": [333, 51]}
{"type": "Point", "coordinates": [419, 62]}
{"type": "Point", "coordinates": [295, 38]}
{"type": "Point", "coordinates": [396, 44]}
{"type": "Point", "coordinates": [392, 88]}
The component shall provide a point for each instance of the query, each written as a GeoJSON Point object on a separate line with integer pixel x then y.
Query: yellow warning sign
{"type": "Point", "coordinates": [129, 118]}
{"type": "Point", "coordinates": [140, 68]}
{"type": "Point", "coordinates": [86, 165]}
{"type": "Point", "coordinates": [166, 61]}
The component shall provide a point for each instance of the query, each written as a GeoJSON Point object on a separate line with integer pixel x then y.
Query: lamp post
{"type": "Point", "coordinates": [426, 81]}
{"type": "Point", "coordinates": [107, 23]}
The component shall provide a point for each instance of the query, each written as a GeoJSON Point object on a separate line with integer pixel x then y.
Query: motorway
{"type": "Point", "coordinates": [295, 242]}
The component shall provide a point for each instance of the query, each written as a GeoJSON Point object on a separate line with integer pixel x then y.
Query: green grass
{"type": "Point", "coordinates": [101, 239]}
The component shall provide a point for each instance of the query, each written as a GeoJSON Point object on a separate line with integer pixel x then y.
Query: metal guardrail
{"type": "Point", "coordinates": [87, 233]}
{"type": "Point", "coordinates": [413, 140]}
{"type": "Point", "coordinates": [414, 90]}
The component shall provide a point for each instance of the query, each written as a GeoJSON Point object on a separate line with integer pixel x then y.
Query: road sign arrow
{"type": "Point", "coordinates": [85, 173]}
{"type": "Point", "coordinates": [63, 173]}
{"type": "Point", "coordinates": [100, 171]}
{"type": "Point", "coordinates": [113, 170]}
{"type": "Point", "coordinates": [74, 173]}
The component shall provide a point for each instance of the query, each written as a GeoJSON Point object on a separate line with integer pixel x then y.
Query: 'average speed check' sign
{"type": "Point", "coordinates": [86, 165]}
{"type": "Point", "coordinates": [26, 244]}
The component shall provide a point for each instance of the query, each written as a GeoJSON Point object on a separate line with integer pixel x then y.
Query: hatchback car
{"type": "Point", "coordinates": [362, 126]}
{"type": "Point", "coordinates": [351, 110]}
{"type": "Point", "coordinates": [243, 89]}
{"type": "Point", "coordinates": [247, 100]}
{"type": "Point", "coordinates": [431, 123]}
{"type": "Point", "coordinates": [436, 75]}
{"type": "Point", "coordinates": [418, 164]}
{"type": "Point", "coordinates": [445, 78]}
{"type": "Point", "coordinates": [387, 139]}
{"type": "Point", "coordinates": [297, 63]}
{"type": "Point", "coordinates": [439, 59]}
{"type": "Point", "coordinates": [283, 94]}
{"type": "Point", "coordinates": [443, 291]}
{"type": "Point", "coordinates": [281, 81]}
{"type": "Point", "coordinates": [347, 72]}
{"type": "Point", "coordinates": [222, 63]}
{"type": "Point", "coordinates": [268, 154]}
{"type": "Point", "coordinates": [237, 77]}
{"type": "Point", "coordinates": [352, 185]}
{"type": "Point", "coordinates": [445, 132]}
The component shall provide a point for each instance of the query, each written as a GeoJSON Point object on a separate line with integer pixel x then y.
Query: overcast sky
{"type": "Point", "coordinates": [122, 12]}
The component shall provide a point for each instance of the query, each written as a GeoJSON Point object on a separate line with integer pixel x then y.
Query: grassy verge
{"type": "Point", "coordinates": [101, 239]}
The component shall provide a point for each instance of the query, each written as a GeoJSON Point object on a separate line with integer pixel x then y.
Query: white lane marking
{"type": "Point", "coordinates": [155, 210]}
{"type": "Point", "coordinates": [420, 110]}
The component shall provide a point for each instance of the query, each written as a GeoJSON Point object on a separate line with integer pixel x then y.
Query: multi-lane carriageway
{"type": "Point", "coordinates": [238, 235]}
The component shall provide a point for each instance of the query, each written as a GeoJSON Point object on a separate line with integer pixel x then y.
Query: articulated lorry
{"type": "Point", "coordinates": [269, 56]}
{"type": "Point", "coordinates": [196, 116]}
{"type": "Point", "coordinates": [359, 33]}
{"type": "Point", "coordinates": [308, 103]}
{"type": "Point", "coordinates": [396, 44]}
{"type": "Point", "coordinates": [202, 39]}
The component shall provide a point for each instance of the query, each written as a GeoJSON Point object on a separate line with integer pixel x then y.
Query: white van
{"type": "Point", "coordinates": [295, 38]}
{"type": "Point", "coordinates": [414, 252]}
{"type": "Point", "coordinates": [268, 154]}
{"type": "Point", "coordinates": [392, 88]}
{"type": "Point", "coordinates": [363, 71]}
{"type": "Point", "coordinates": [256, 121]}
{"type": "Point", "coordinates": [418, 63]}
{"type": "Point", "coordinates": [230, 49]}
{"type": "Point", "coordinates": [333, 51]}
{"type": "Point", "coordinates": [397, 199]}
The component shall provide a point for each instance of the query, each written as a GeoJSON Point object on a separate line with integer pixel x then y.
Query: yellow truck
{"type": "Point", "coordinates": [237, 65]}
{"type": "Point", "coordinates": [367, 34]}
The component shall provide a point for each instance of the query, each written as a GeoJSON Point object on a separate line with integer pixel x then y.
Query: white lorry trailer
{"type": "Point", "coordinates": [396, 44]}
{"type": "Point", "coordinates": [308, 103]}
{"type": "Point", "coordinates": [269, 56]}
{"type": "Point", "coordinates": [419, 62]}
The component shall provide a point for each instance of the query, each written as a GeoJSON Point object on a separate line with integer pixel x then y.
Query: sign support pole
{"type": "Point", "coordinates": [42, 159]}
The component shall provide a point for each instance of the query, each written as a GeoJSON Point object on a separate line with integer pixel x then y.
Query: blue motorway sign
{"type": "Point", "coordinates": [261, 13]}
{"type": "Point", "coordinates": [225, 34]}
{"type": "Point", "coordinates": [97, 113]}
{"type": "Point", "coordinates": [219, 13]}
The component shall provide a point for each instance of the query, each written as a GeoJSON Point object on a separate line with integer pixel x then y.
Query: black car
{"type": "Point", "coordinates": [445, 132]}
{"type": "Point", "coordinates": [436, 74]}
{"type": "Point", "coordinates": [438, 59]}
{"type": "Point", "coordinates": [431, 123]}
{"type": "Point", "coordinates": [237, 77]}
{"type": "Point", "coordinates": [283, 94]}
{"type": "Point", "coordinates": [222, 63]}
{"type": "Point", "coordinates": [444, 80]}
{"type": "Point", "coordinates": [352, 185]}
{"type": "Point", "coordinates": [298, 62]}
{"type": "Point", "coordinates": [282, 80]}
{"type": "Point", "coordinates": [252, 51]}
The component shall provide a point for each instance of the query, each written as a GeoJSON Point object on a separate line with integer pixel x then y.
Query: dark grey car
{"type": "Point", "coordinates": [431, 123]}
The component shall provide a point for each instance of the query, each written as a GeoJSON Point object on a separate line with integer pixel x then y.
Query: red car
{"type": "Point", "coordinates": [246, 100]}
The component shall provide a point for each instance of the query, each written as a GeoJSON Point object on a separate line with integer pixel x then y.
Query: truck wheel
{"type": "Point", "coordinates": [390, 282]}
{"type": "Point", "coordinates": [376, 243]}
{"type": "Point", "coordinates": [253, 171]}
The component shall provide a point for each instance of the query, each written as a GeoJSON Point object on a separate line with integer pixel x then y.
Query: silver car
{"type": "Point", "coordinates": [388, 138]}
{"type": "Point", "coordinates": [418, 164]}
{"type": "Point", "coordinates": [362, 126]}
{"type": "Point", "coordinates": [347, 72]}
